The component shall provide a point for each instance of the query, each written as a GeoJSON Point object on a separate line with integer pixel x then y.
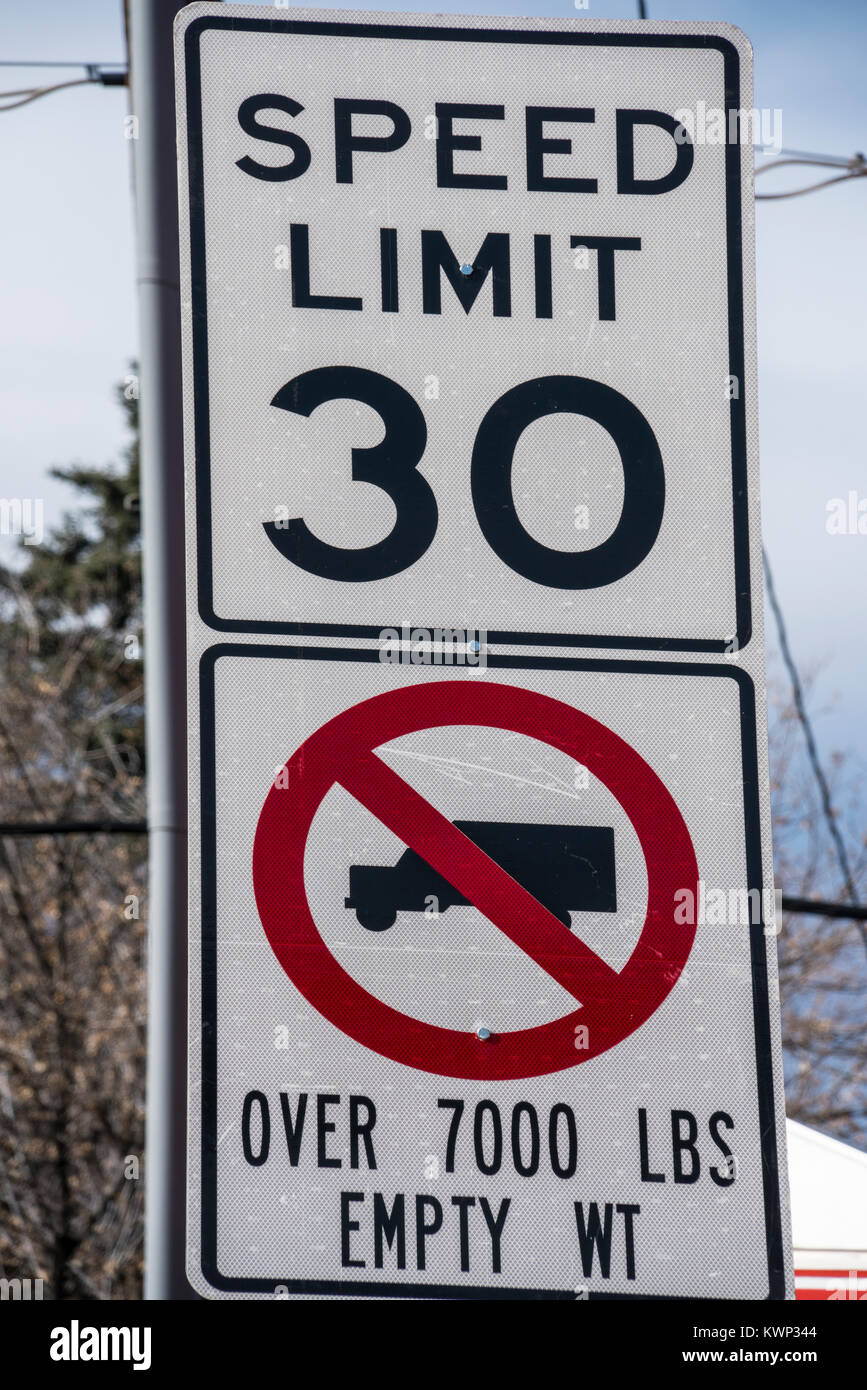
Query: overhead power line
{"type": "Point", "coordinates": [809, 906]}
{"type": "Point", "coordinates": [815, 907]}
{"type": "Point", "coordinates": [57, 63]}
{"type": "Point", "coordinates": [104, 74]}
{"type": "Point", "coordinates": [115, 75]}
{"type": "Point", "coordinates": [855, 167]}
{"type": "Point", "coordinates": [808, 158]}
{"type": "Point", "coordinates": [74, 827]}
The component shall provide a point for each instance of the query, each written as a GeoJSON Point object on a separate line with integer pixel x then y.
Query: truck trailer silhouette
{"type": "Point", "coordinates": [568, 868]}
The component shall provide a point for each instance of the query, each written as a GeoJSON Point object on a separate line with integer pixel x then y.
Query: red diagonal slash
{"type": "Point", "coordinates": [481, 880]}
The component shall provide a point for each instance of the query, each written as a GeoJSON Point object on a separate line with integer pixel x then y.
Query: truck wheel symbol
{"type": "Point", "coordinates": [569, 868]}
{"type": "Point", "coordinates": [374, 921]}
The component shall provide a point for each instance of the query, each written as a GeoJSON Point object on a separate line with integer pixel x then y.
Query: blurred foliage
{"type": "Point", "coordinates": [823, 961]}
{"type": "Point", "coordinates": [72, 1000]}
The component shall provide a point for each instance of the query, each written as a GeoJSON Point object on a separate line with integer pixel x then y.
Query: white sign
{"type": "Point", "coordinates": [484, 938]}
{"type": "Point", "coordinates": [420, 265]}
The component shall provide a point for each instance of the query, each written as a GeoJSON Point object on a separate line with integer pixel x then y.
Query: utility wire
{"type": "Point", "coordinates": [54, 63]}
{"type": "Point", "coordinates": [809, 158]}
{"type": "Point", "coordinates": [816, 907]}
{"type": "Point", "coordinates": [27, 94]}
{"type": "Point", "coordinates": [74, 827]}
{"type": "Point", "coordinates": [811, 188]}
{"type": "Point", "coordinates": [805, 157]}
{"type": "Point", "coordinates": [812, 750]}
{"type": "Point", "coordinates": [855, 167]}
{"type": "Point", "coordinates": [101, 73]}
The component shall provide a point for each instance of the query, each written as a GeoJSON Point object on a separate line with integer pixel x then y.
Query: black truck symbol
{"type": "Point", "coordinates": [568, 868]}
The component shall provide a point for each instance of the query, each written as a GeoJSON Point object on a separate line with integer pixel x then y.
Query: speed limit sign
{"type": "Point", "coordinates": [478, 773]}
{"type": "Point", "coordinates": [432, 259]}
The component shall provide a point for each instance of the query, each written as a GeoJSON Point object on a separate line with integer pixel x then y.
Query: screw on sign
{"type": "Point", "coordinates": [610, 1004]}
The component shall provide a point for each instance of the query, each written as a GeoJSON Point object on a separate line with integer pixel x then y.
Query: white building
{"type": "Point", "coordinates": [829, 1215]}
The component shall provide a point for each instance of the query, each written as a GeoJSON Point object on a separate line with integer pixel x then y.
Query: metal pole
{"type": "Point", "coordinates": [156, 215]}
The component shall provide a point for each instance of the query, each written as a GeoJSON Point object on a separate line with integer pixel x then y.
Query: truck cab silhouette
{"type": "Point", "coordinates": [568, 868]}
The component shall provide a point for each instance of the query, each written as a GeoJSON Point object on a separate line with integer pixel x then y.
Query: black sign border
{"type": "Point", "coordinates": [734, 258]}
{"type": "Point", "coordinates": [355, 1288]}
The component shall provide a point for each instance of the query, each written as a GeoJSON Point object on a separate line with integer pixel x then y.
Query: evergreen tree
{"type": "Point", "coordinates": [72, 998]}
{"type": "Point", "coordinates": [70, 621]}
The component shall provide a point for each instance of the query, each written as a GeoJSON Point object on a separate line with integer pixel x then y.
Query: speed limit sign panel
{"type": "Point", "coordinates": [482, 939]}
{"type": "Point", "coordinates": [468, 340]}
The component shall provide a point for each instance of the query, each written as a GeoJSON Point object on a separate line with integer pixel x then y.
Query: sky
{"type": "Point", "coordinates": [68, 321]}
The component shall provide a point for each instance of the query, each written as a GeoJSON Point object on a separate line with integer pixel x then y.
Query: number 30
{"type": "Point", "coordinates": [392, 464]}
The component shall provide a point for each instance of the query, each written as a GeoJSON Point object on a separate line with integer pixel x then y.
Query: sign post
{"type": "Point", "coordinates": [482, 894]}
{"type": "Point", "coordinates": [162, 433]}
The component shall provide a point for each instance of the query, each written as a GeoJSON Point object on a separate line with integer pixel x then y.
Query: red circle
{"type": "Point", "coordinates": [615, 1012]}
